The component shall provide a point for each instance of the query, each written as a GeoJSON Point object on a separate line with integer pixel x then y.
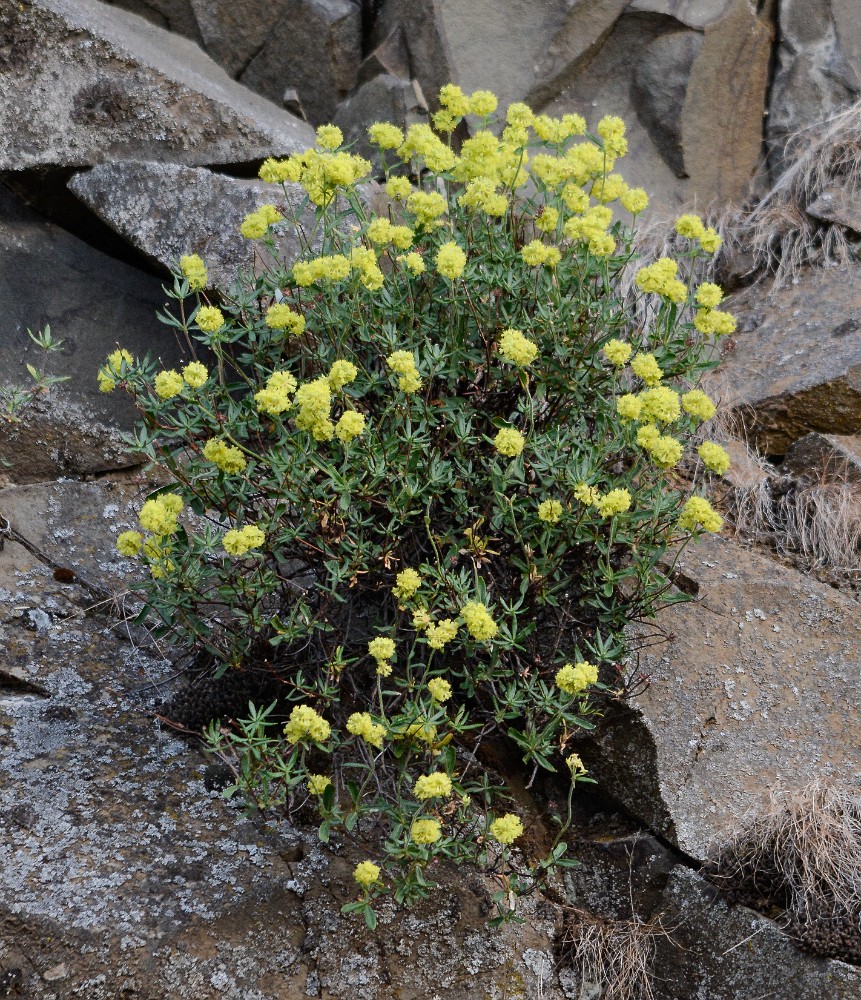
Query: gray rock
{"type": "Point", "coordinates": [796, 362]}
{"type": "Point", "coordinates": [91, 302]}
{"type": "Point", "coordinates": [692, 13]}
{"type": "Point", "coordinates": [166, 210]}
{"type": "Point", "coordinates": [175, 15]}
{"type": "Point", "coordinates": [732, 953]}
{"type": "Point", "coordinates": [659, 85]}
{"type": "Point", "coordinates": [234, 31]}
{"type": "Point", "coordinates": [832, 457]}
{"type": "Point", "coordinates": [383, 99]}
{"type": "Point", "coordinates": [839, 206]}
{"type": "Point", "coordinates": [390, 57]}
{"type": "Point", "coordinates": [85, 83]}
{"type": "Point", "coordinates": [315, 47]}
{"type": "Point", "coordinates": [752, 689]}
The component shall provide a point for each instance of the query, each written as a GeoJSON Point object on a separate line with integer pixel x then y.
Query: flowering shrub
{"type": "Point", "coordinates": [435, 473]}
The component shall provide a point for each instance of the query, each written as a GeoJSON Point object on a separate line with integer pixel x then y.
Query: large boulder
{"type": "Point", "coordinates": [795, 365]}
{"type": "Point", "coordinates": [175, 15]}
{"type": "Point", "coordinates": [92, 302]}
{"type": "Point", "coordinates": [166, 210]}
{"type": "Point", "coordinates": [831, 457]}
{"type": "Point", "coordinates": [753, 688]}
{"type": "Point", "coordinates": [84, 83]}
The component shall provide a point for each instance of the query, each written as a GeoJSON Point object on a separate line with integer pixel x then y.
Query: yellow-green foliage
{"type": "Point", "coordinates": [432, 468]}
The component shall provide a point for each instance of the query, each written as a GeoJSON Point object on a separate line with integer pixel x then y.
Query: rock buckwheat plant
{"type": "Point", "coordinates": [433, 472]}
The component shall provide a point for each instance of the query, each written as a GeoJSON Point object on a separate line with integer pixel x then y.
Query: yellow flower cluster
{"type": "Point", "coordinates": [382, 649]}
{"type": "Point", "coordinates": [714, 321]}
{"type": "Point", "coordinates": [574, 679]}
{"type": "Point", "coordinates": [506, 829]}
{"type": "Point", "coordinates": [617, 352]}
{"type": "Point", "coordinates": [361, 724]}
{"type": "Point", "coordinates": [425, 831]}
{"type": "Point", "coordinates": [238, 541]}
{"type": "Point", "coordinates": [334, 267]}
{"type": "Point", "coordinates": [320, 173]}
{"type": "Point", "coordinates": [168, 384]}
{"type": "Point", "coordinates": [693, 228]}
{"type": "Point", "coordinates": [432, 786]}
{"type": "Point", "coordinates": [699, 513]}
{"type": "Point", "coordinates": [381, 231]}
{"type": "Point", "coordinates": [415, 263]}
{"type": "Point", "coordinates": [438, 633]}
{"type": "Point", "coordinates": [427, 207]}
{"type": "Point", "coordinates": [129, 543]}
{"type": "Point", "coordinates": [709, 295]}
{"type": "Point", "coordinates": [329, 137]}
{"type": "Point", "coordinates": [209, 319]}
{"type": "Point", "coordinates": [591, 227]}
{"type": "Point", "coordinates": [407, 582]}
{"type": "Point", "coordinates": [660, 405]}
{"type": "Point", "coordinates": [225, 456]}
{"type": "Point", "coordinates": [281, 317]}
{"type": "Point", "coordinates": [194, 271]}
{"type": "Point", "coordinates": [403, 364]}
{"type": "Point", "coordinates": [366, 873]}
{"type": "Point", "coordinates": [422, 142]}
{"type": "Point", "coordinates": [340, 374]}
{"type": "Point", "coordinates": [714, 457]}
{"type": "Point", "coordinates": [256, 224]}
{"type": "Point", "coordinates": [440, 689]}
{"type": "Point", "coordinates": [275, 398]}
{"type": "Point", "coordinates": [664, 449]}
{"type": "Point", "coordinates": [450, 261]}
{"type": "Point", "coordinates": [113, 369]}
{"type": "Point", "coordinates": [549, 511]}
{"type": "Point", "coordinates": [698, 404]}
{"type": "Point", "coordinates": [195, 374]}
{"type": "Point", "coordinates": [614, 502]}
{"type": "Point", "coordinates": [350, 426]}
{"type": "Point", "coordinates": [537, 253]}
{"type": "Point", "coordinates": [634, 200]}
{"type": "Point", "coordinates": [314, 400]}
{"type": "Point", "coordinates": [478, 621]}
{"type": "Point", "coordinates": [481, 193]}
{"type": "Point", "coordinates": [385, 135]}
{"type": "Point", "coordinates": [660, 278]}
{"type": "Point", "coordinates": [305, 723]}
{"type": "Point", "coordinates": [318, 783]}
{"type": "Point", "coordinates": [575, 765]}
{"type": "Point", "coordinates": [157, 554]}
{"type": "Point", "coordinates": [516, 348]}
{"type": "Point", "coordinates": [586, 494]}
{"type": "Point", "coordinates": [364, 262]}
{"type": "Point", "coordinates": [159, 514]}
{"type": "Point", "coordinates": [509, 442]}
{"type": "Point", "coordinates": [645, 366]}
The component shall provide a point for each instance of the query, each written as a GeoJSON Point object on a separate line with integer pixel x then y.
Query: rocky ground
{"type": "Point", "coordinates": [130, 133]}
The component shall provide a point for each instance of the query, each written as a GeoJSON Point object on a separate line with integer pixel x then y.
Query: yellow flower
{"type": "Point", "coordinates": [129, 543]}
{"type": "Point", "coordinates": [386, 136]}
{"type": "Point", "coordinates": [714, 457]}
{"type": "Point", "coordinates": [698, 512]}
{"type": "Point", "coordinates": [660, 278]}
{"type": "Point", "coordinates": [588, 495]}
{"type": "Point", "coordinates": [660, 405]}
{"type": "Point", "coordinates": [509, 442]}
{"type": "Point", "coordinates": [574, 679]}
{"type": "Point", "coordinates": [329, 136]}
{"type": "Point", "coordinates": [440, 689]}
{"type": "Point", "coordinates": [450, 261]}
{"type": "Point", "coordinates": [427, 206]}
{"type": "Point", "coordinates": [318, 783]}
{"type": "Point", "coordinates": [168, 384]}
{"type": "Point", "coordinates": [665, 450]}
{"type": "Point", "coordinates": [275, 398]}
{"type": "Point", "coordinates": [381, 648]}
{"type": "Point", "coordinates": [714, 321]}
{"type": "Point", "coordinates": [645, 366]}
{"type": "Point", "coordinates": [209, 319]}
{"type": "Point", "coordinates": [415, 263]}
{"type": "Point", "coordinates": [709, 295]}
{"type": "Point", "coordinates": [112, 369]}
{"type": "Point", "coordinates": [195, 374]}
{"type": "Point", "coordinates": [225, 456]}
{"type": "Point", "coordinates": [634, 200]}
{"type": "Point", "coordinates": [281, 317]}
{"type": "Point", "coordinates": [314, 400]}
{"type": "Point", "coordinates": [194, 271]}
{"type": "Point", "coordinates": [516, 348]}
{"type": "Point", "coordinates": [617, 352]}
{"type": "Point", "coordinates": [274, 171]}
{"type": "Point", "coordinates": [519, 114]}
{"type": "Point", "coordinates": [482, 102]}
{"type": "Point", "coordinates": [575, 765]}
{"type": "Point", "coordinates": [350, 426]}
{"type": "Point", "coordinates": [399, 188]}
{"type": "Point", "coordinates": [454, 100]}
{"type": "Point", "coordinates": [407, 582]}
{"type": "Point", "coordinates": [422, 620]}
{"type": "Point", "coordinates": [537, 253]}
{"type": "Point", "coordinates": [478, 621]}
{"type": "Point", "coordinates": [690, 226]}
{"type": "Point", "coordinates": [698, 404]}
{"type": "Point", "coordinates": [341, 373]}
{"type": "Point", "coordinates": [305, 723]}
{"type": "Point", "coordinates": [421, 141]}
{"type": "Point", "coordinates": [254, 226]}
{"type": "Point", "coordinates": [238, 541]}
{"type": "Point", "coordinates": [549, 511]}
{"type": "Point", "coordinates": [506, 829]}
{"type": "Point", "coordinates": [614, 502]}
{"type": "Point", "coordinates": [404, 365]}
{"type": "Point", "coordinates": [366, 873]}
{"type": "Point", "coordinates": [432, 786]}
{"type": "Point", "coordinates": [361, 724]}
{"type": "Point", "coordinates": [710, 241]}
{"type": "Point", "coordinates": [159, 514]}
{"type": "Point", "coordinates": [438, 633]}
{"type": "Point", "coordinates": [425, 831]}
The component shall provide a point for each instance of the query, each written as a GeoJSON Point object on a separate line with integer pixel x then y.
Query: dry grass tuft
{"type": "Point", "coordinates": [612, 959]}
{"type": "Point", "coordinates": [804, 857]}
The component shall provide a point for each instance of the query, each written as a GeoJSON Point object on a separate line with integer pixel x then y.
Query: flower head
{"type": "Point", "coordinates": [516, 348]}
{"type": "Point", "coordinates": [194, 271]}
{"type": "Point", "coordinates": [614, 502]}
{"type": "Point", "coordinates": [366, 873]}
{"type": "Point", "coordinates": [549, 511]}
{"type": "Point", "coordinates": [407, 582]}
{"type": "Point", "coordinates": [699, 513]}
{"type": "Point", "coordinates": [318, 783]}
{"type": "Point", "coordinates": [351, 425]}
{"type": "Point", "coordinates": [478, 621]}
{"type": "Point", "coordinates": [509, 442]}
{"type": "Point", "coordinates": [617, 352]}
{"type": "Point", "coordinates": [329, 137]}
{"type": "Point", "coordinates": [432, 786]}
{"type": "Point", "coordinates": [450, 261]}
{"type": "Point", "coordinates": [168, 384]}
{"type": "Point", "coordinates": [361, 724]}
{"type": "Point", "coordinates": [714, 457]}
{"type": "Point", "coordinates": [440, 689]}
{"type": "Point", "coordinates": [506, 829]}
{"type": "Point", "coordinates": [238, 541]}
{"type": "Point", "coordinates": [574, 679]}
{"type": "Point", "coordinates": [129, 543]}
{"type": "Point", "coordinates": [305, 723]}
{"type": "Point", "coordinates": [195, 374]}
{"type": "Point", "coordinates": [425, 831]}
{"type": "Point", "coordinates": [209, 319]}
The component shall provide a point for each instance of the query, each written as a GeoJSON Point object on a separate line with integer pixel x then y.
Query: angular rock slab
{"type": "Point", "coordinates": [756, 689]}
{"type": "Point", "coordinates": [166, 210]}
{"type": "Point", "coordinates": [795, 364]}
{"type": "Point", "coordinates": [834, 457]}
{"type": "Point", "coordinates": [85, 83]}
{"type": "Point", "coordinates": [91, 302]}
{"type": "Point", "coordinates": [732, 953]}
